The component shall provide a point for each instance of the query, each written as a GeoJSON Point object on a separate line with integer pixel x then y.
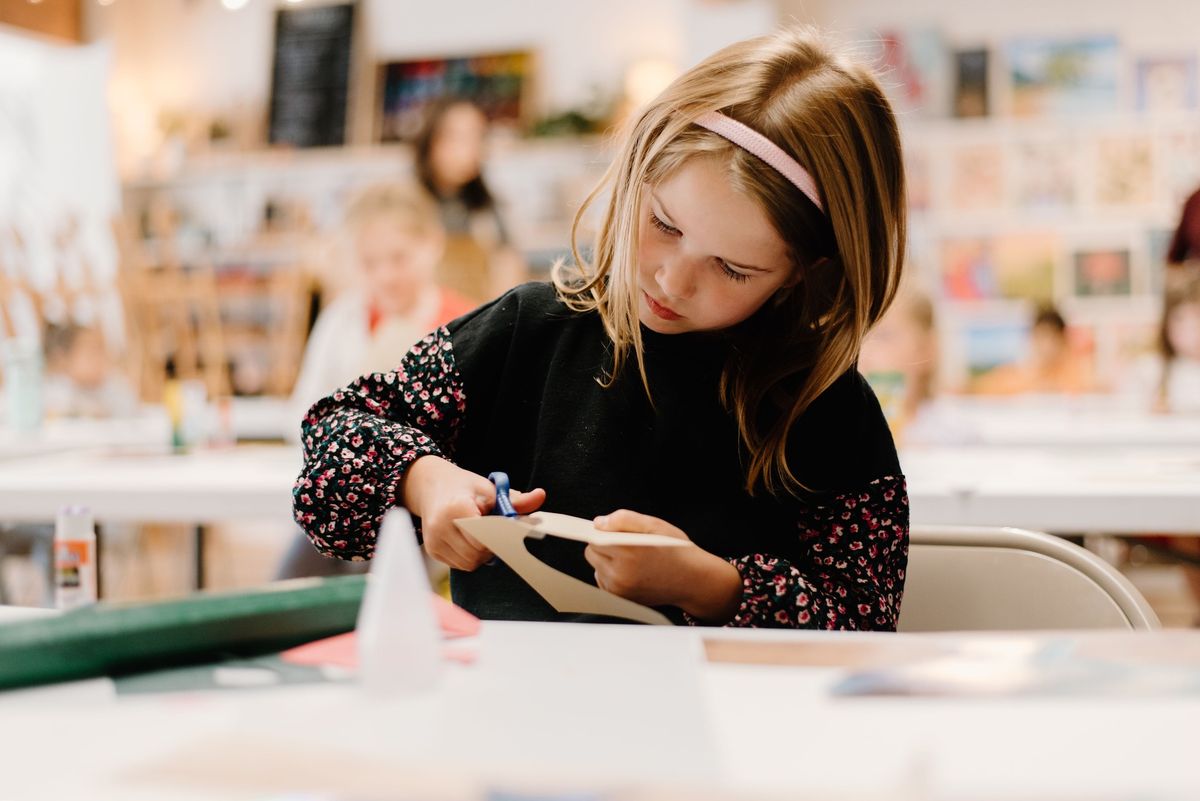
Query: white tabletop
{"type": "Point", "coordinates": [1041, 421]}
{"type": "Point", "coordinates": [246, 482]}
{"type": "Point", "coordinates": [264, 418]}
{"type": "Point", "coordinates": [151, 428]}
{"type": "Point", "coordinates": [1113, 490]}
{"type": "Point", "coordinates": [597, 707]}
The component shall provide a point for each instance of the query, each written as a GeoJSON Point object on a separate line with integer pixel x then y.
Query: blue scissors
{"type": "Point", "coordinates": [503, 502]}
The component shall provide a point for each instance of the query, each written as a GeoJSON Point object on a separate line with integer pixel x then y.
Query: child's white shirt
{"type": "Point", "coordinates": [341, 346]}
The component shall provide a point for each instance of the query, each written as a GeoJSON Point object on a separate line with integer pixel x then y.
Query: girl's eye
{"type": "Point", "coordinates": [662, 226]}
{"type": "Point", "coordinates": [732, 274]}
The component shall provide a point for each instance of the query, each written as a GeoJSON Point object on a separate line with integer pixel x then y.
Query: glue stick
{"type": "Point", "coordinates": [74, 558]}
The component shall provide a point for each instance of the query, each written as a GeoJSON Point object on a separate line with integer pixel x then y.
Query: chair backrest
{"type": "Point", "coordinates": [963, 578]}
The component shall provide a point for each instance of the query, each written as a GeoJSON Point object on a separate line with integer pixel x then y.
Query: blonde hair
{"type": "Point", "coordinates": [405, 203]}
{"type": "Point", "coordinates": [831, 116]}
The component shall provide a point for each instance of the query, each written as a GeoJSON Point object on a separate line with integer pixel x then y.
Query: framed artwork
{"type": "Point", "coordinates": [1102, 273]}
{"type": "Point", "coordinates": [968, 270]}
{"type": "Point", "coordinates": [497, 82]}
{"type": "Point", "coordinates": [1045, 173]}
{"type": "Point", "coordinates": [1025, 265]}
{"type": "Point", "coordinates": [1124, 170]}
{"type": "Point", "coordinates": [1165, 84]}
{"type": "Point", "coordinates": [912, 65]}
{"type": "Point", "coordinates": [977, 177]}
{"type": "Point", "coordinates": [988, 344]}
{"type": "Point", "coordinates": [1064, 76]}
{"type": "Point", "coordinates": [1014, 267]}
{"type": "Point", "coordinates": [971, 83]}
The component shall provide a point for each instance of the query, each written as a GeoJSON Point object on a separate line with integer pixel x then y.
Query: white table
{"type": "Point", "coordinates": [265, 418]}
{"type": "Point", "coordinates": [198, 488]}
{"type": "Point", "coordinates": [1040, 421]}
{"type": "Point", "coordinates": [149, 429]}
{"type": "Point", "coordinates": [1098, 490]}
{"type": "Point", "coordinates": [1111, 490]}
{"type": "Point", "coordinates": [618, 708]}
{"type": "Point", "coordinates": [248, 482]}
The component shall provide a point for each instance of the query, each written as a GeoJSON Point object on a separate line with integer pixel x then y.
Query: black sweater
{"type": "Point", "coordinates": [513, 386]}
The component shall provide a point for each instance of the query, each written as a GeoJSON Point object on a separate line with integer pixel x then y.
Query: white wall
{"type": "Point", "coordinates": [1151, 24]}
{"type": "Point", "coordinates": [194, 56]}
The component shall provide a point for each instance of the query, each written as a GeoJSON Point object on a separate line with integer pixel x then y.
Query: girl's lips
{"type": "Point", "coordinates": [661, 310]}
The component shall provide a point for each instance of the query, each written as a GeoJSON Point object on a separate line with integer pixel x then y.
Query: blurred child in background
{"type": "Point", "coordinates": [81, 377]}
{"type": "Point", "coordinates": [397, 238]}
{"type": "Point", "coordinates": [900, 358]}
{"type": "Point", "coordinates": [1178, 368]}
{"type": "Point", "coordinates": [393, 299]}
{"type": "Point", "coordinates": [480, 262]}
{"type": "Point", "coordinates": [1052, 367]}
{"type": "Point", "coordinates": [1169, 383]}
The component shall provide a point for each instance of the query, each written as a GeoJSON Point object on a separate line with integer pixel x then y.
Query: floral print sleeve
{"type": "Point", "coordinates": [359, 441]}
{"type": "Point", "coordinates": [854, 552]}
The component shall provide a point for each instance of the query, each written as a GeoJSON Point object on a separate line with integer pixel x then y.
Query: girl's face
{"type": "Point", "coordinates": [708, 257]}
{"type": "Point", "coordinates": [396, 263]}
{"type": "Point", "coordinates": [1183, 330]}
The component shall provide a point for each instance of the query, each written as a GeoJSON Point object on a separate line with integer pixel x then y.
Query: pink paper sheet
{"type": "Point", "coordinates": [342, 650]}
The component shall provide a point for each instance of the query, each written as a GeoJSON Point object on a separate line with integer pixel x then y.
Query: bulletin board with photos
{"type": "Point", "coordinates": [1045, 170]}
{"type": "Point", "coordinates": [499, 83]}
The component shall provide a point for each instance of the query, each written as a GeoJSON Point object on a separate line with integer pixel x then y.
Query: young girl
{"type": "Point", "coordinates": [397, 240]}
{"type": "Point", "coordinates": [1178, 370]}
{"type": "Point", "coordinates": [697, 379]}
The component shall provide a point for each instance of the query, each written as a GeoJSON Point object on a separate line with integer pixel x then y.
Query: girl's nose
{"type": "Point", "coordinates": [677, 277]}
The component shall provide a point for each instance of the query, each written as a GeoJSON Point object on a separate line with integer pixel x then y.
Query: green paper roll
{"type": "Point", "coordinates": [109, 639]}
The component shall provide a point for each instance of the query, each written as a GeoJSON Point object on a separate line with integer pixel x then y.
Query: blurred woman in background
{"type": "Point", "coordinates": [480, 261]}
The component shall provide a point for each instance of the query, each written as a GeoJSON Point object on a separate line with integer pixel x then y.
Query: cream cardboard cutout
{"type": "Point", "coordinates": [505, 537]}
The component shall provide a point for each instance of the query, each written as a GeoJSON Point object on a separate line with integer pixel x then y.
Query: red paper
{"type": "Point", "coordinates": [342, 650]}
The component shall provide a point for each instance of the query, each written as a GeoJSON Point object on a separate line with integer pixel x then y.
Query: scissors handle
{"type": "Point", "coordinates": [503, 503]}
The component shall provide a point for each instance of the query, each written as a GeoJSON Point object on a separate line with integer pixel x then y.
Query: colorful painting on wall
{"type": "Point", "coordinates": [496, 82]}
{"type": "Point", "coordinates": [1025, 265]}
{"type": "Point", "coordinates": [1102, 273]}
{"type": "Point", "coordinates": [912, 65]}
{"type": "Point", "coordinates": [971, 83]}
{"type": "Point", "coordinates": [992, 344]}
{"type": "Point", "coordinates": [968, 270]}
{"type": "Point", "coordinates": [1064, 76]}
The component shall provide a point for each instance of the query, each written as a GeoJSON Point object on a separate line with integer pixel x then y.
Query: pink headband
{"type": "Point", "coordinates": [753, 142]}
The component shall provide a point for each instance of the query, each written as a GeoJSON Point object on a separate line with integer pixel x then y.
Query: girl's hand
{"type": "Point", "coordinates": [700, 583]}
{"type": "Point", "coordinates": [439, 492]}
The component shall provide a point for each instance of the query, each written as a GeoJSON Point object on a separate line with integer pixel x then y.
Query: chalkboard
{"type": "Point", "coordinates": [310, 78]}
